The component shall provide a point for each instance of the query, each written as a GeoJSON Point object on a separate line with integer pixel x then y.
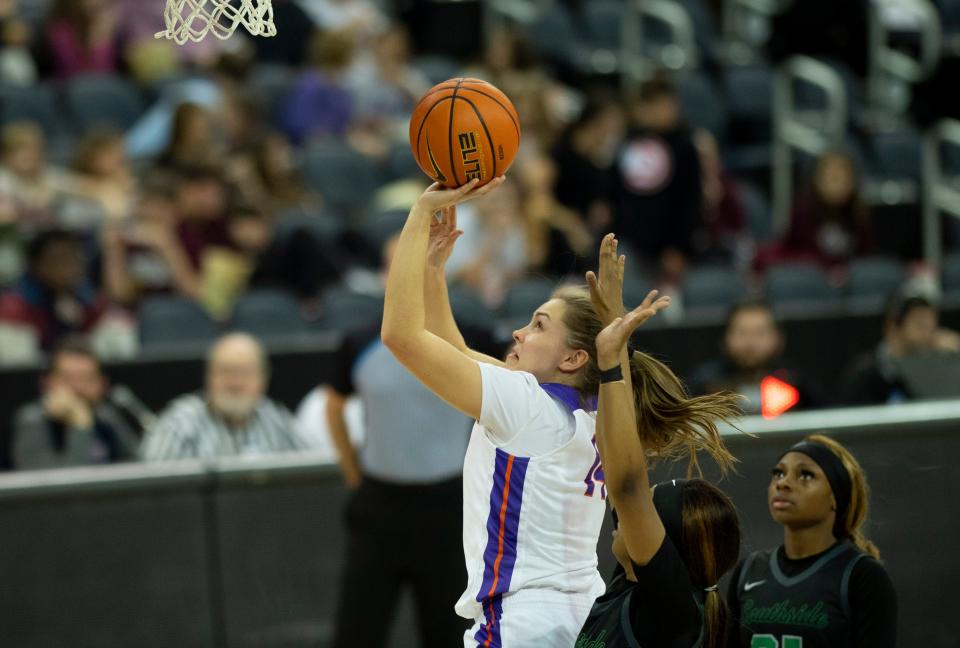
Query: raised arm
{"type": "Point", "coordinates": [618, 441]}
{"type": "Point", "coordinates": [439, 315]}
{"type": "Point", "coordinates": [448, 372]}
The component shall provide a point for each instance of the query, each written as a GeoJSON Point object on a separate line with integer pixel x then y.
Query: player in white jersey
{"type": "Point", "coordinates": [533, 484]}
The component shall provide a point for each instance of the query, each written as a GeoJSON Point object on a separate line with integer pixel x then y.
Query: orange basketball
{"type": "Point", "coordinates": [464, 129]}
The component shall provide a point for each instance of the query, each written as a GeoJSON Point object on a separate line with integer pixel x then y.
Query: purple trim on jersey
{"type": "Point", "coordinates": [570, 397]}
{"type": "Point", "coordinates": [498, 560]}
{"type": "Point", "coordinates": [488, 636]}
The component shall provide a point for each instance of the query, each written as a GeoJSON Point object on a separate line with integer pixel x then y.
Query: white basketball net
{"type": "Point", "coordinates": [188, 20]}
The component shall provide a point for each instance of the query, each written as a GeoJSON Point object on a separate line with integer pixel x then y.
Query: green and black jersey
{"type": "Point", "coordinates": [660, 609]}
{"type": "Point", "coordinates": [836, 599]}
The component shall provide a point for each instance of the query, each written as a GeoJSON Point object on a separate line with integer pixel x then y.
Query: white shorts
{"type": "Point", "coordinates": [530, 619]}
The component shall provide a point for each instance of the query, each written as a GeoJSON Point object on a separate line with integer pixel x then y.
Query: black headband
{"type": "Point", "coordinates": [835, 472]}
{"type": "Point", "coordinates": [668, 500]}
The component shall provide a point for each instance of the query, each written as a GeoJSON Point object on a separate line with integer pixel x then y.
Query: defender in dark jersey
{"type": "Point", "coordinates": [674, 544]}
{"type": "Point", "coordinates": [825, 586]}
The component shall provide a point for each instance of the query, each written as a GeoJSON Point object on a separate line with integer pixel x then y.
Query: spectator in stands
{"type": "Point", "coordinates": [544, 105]}
{"type": "Point", "coordinates": [201, 204]}
{"type": "Point", "coordinates": [232, 417]}
{"type": "Point", "coordinates": [144, 256]}
{"type": "Point", "coordinates": [29, 187]}
{"type": "Point", "coordinates": [320, 104]}
{"type": "Point", "coordinates": [559, 243]}
{"type": "Point", "coordinates": [492, 253]}
{"type": "Point", "coordinates": [282, 186]}
{"type": "Point", "coordinates": [362, 19]}
{"type": "Point", "coordinates": [830, 224]}
{"type": "Point", "coordinates": [53, 298]}
{"type": "Point", "coordinates": [100, 163]}
{"type": "Point", "coordinates": [37, 195]}
{"type": "Point", "coordinates": [657, 183]}
{"type": "Point", "coordinates": [260, 256]}
{"type": "Point", "coordinates": [192, 139]}
{"type": "Point", "coordinates": [150, 59]}
{"type": "Point", "coordinates": [385, 86]}
{"type": "Point", "coordinates": [75, 422]}
{"type": "Point", "coordinates": [17, 66]}
{"type": "Point", "coordinates": [722, 236]}
{"type": "Point", "coordinates": [83, 37]}
{"type": "Point", "coordinates": [910, 327]}
{"type": "Point", "coordinates": [584, 155]}
{"type": "Point", "coordinates": [752, 350]}
{"type": "Point", "coordinates": [177, 222]}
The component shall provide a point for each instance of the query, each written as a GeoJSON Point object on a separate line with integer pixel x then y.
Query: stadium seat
{"type": "Point", "coordinates": [950, 159]}
{"type": "Point", "coordinates": [950, 274]}
{"type": "Point", "coordinates": [759, 216]}
{"type": "Point", "coordinates": [101, 100]}
{"type": "Point", "coordinates": [525, 296]}
{"type": "Point", "coordinates": [712, 287]}
{"type": "Point", "coordinates": [174, 321]}
{"type": "Point", "coordinates": [603, 22]}
{"type": "Point", "coordinates": [749, 95]}
{"type": "Point", "coordinates": [896, 155]}
{"type": "Point", "coordinates": [874, 279]}
{"type": "Point", "coordinates": [269, 84]}
{"type": "Point", "coordinates": [344, 178]}
{"type": "Point", "coordinates": [704, 27]}
{"type": "Point", "coordinates": [269, 315]}
{"type": "Point", "coordinates": [469, 310]}
{"type": "Point", "coordinates": [344, 309]}
{"type": "Point", "coordinates": [37, 104]}
{"type": "Point", "coordinates": [810, 97]}
{"type": "Point", "coordinates": [555, 37]}
{"type": "Point", "coordinates": [950, 23]}
{"type": "Point", "coordinates": [400, 163]}
{"type": "Point", "coordinates": [799, 284]}
{"type": "Point", "coordinates": [378, 230]}
{"type": "Point", "coordinates": [749, 92]}
{"type": "Point", "coordinates": [703, 103]}
{"type": "Point", "coordinates": [635, 288]}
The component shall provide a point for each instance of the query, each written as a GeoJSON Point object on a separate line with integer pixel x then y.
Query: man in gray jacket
{"type": "Point", "coordinates": [73, 423]}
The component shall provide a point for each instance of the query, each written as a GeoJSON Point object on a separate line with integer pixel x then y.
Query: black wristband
{"type": "Point", "coordinates": [613, 374]}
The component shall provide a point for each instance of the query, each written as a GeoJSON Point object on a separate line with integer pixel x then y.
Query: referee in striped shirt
{"type": "Point", "coordinates": [233, 416]}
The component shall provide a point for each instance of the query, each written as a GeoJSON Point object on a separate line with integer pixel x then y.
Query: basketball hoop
{"type": "Point", "coordinates": [193, 19]}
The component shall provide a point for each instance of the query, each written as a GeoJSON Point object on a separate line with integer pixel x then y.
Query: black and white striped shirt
{"type": "Point", "coordinates": [189, 429]}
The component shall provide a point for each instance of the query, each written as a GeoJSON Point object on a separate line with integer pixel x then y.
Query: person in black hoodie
{"type": "Point", "coordinates": [656, 178]}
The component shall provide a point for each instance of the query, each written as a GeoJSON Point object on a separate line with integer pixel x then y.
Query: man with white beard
{"type": "Point", "coordinates": [233, 416]}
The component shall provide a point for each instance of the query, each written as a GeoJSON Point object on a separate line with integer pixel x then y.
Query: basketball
{"type": "Point", "coordinates": [463, 129]}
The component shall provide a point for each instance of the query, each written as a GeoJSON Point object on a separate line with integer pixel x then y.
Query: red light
{"type": "Point", "coordinates": [776, 397]}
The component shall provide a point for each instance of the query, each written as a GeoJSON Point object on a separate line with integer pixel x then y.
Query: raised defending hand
{"type": "Point", "coordinates": [443, 236]}
{"type": "Point", "coordinates": [606, 290]}
{"type": "Point", "coordinates": [436, 196]}
{"type": "Point", "coordinates": [612, 339]}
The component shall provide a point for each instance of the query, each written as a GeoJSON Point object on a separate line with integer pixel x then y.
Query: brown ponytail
{"type": "Point", "coordinates": [851, 526]}
{"type": "Point", "coordinates": [711, 538]}
{"type": "Point", "coordinates": [671, 423]}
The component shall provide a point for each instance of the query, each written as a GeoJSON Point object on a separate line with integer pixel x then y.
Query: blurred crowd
{"type": "Point", "coordinates": [235, 174]}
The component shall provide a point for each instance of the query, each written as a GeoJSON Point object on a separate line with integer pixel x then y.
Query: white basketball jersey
{"type": "Point", "coordinates": [533, 494]}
